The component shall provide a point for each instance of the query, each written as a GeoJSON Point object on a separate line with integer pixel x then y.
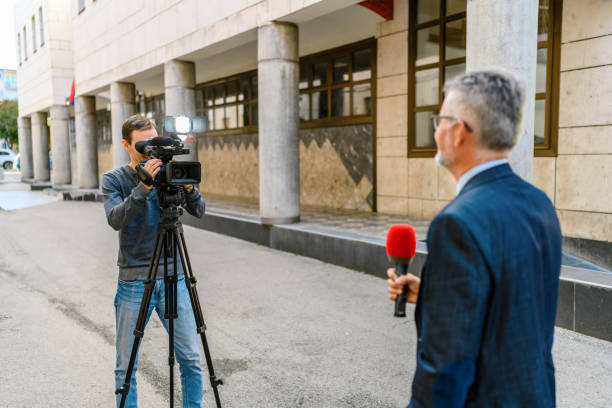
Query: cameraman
{"type": "Point", "coordinates": [133, 209]}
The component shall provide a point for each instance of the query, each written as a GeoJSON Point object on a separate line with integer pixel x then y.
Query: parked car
{"type": "Point", "coordinates": [17, 162]}
{"type": "Point", "coordinates": [7, 158]}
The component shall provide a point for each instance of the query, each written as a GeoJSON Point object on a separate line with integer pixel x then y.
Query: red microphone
{"type": "Point", "coordinates": [401, 246]}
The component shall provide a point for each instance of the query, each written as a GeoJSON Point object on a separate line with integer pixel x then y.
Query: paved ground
{"type": "Point", "coordinates": [284, 330]}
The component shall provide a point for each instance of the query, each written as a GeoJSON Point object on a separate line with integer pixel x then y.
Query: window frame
{"type": "Point", "coordinates": [413, 27]}
{"type": "Point", "coordinates": [553, 60]}
{"type": "Point", "coordinates": [25, 44]}
{"type": "Point", "coordinates": [248, 75]}
{"type": "Point", "coordinates": [553, 43]}
{"type": "Point", "coordinates": [34, 48]}
{"type": "Point", "coordinates": [19, 47]}
{"type": "Point", "coordinates": [328, 56]}
{"type": "Point", "coordinates": [41, 25]}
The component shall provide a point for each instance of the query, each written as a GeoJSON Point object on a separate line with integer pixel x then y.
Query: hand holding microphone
{"type": "Point", "coordinates": [403, 286]}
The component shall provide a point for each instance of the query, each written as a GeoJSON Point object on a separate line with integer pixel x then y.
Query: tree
{"type": "Point", "coordinates": [8, 121]}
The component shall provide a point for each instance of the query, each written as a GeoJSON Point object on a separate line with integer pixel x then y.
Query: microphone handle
{"type": "Point", "coordinates": [400, 302]}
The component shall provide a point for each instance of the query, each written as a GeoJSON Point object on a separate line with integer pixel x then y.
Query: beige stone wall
{"type": "Point", "coordinates": [416, 187]}
{"type": "Point", "coordinates": [230, 171]}
{"type": "Point", "coordinates": [578, 181]}
{"type": "Point", "coordinates": [583, 169]}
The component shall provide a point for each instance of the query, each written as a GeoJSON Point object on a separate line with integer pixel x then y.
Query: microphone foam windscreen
{"type": "Point", "coordinates": [401, 241]}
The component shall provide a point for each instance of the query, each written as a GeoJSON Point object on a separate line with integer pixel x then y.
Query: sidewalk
{"type": "Point", "coordinates": [284, 330]}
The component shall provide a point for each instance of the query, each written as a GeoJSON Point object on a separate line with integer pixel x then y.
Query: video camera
{"type": "Point", "coordinates": [172, 173]}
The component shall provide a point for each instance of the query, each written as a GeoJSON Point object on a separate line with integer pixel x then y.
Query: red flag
{"type": "Point", "coordinates": [71, 99]}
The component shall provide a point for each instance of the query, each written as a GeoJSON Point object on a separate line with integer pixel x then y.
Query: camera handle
{"type": "Point", "coordinates": [143, 175]}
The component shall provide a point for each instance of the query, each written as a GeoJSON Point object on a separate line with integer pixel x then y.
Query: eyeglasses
{"type": "Point", "coordinates": [435, 120]}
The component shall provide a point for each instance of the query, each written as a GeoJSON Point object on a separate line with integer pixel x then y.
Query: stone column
{"type": "Point", "coordinates": [503, 34]}
{"type": "Point", "coordinates": [40, 147]}
{"type": "Point", "coordinates": [123, 99]}
{"type": "Point", "coordinates": [60, 144]}
{"type": "Point", "coordinates": [24, 129]}
{"type": "Point", "coordinates": [86, 143]}
{"type": "Point", "coordinates": [179, 81]}
{"type": "Point", "coordinates": [279, 159]}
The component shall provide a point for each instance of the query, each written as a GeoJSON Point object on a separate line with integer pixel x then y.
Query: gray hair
{"type": "Point", "coordinates": [495, 100]}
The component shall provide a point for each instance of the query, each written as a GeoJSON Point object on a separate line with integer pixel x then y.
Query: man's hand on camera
{"type": "Point", "coordinates": [188, 188]}
{"type": "Point", "coordinates": [396, 284]}
{"type": "Point", "coordinates": [152, 167]}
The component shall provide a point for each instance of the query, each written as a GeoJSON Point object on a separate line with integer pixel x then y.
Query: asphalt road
{"type": "Point", "coordinates": [284, 330]}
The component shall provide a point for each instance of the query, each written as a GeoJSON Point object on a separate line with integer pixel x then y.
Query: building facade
{"type": "Point", "coordinates": [45, 72]}
{"type": "Point", "coordinates": [327, 103]}
{"type": "Point", "coordinates": [8, 85]}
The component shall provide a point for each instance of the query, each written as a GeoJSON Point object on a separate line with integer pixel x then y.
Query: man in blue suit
{"type": "Point", "coordinates": [487, 297]}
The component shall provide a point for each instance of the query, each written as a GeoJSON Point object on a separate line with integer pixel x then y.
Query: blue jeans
{"type": "Point", "coordinates": [187, 350]}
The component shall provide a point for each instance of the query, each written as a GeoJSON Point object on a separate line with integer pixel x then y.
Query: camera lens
{"type": "Point", "coordinates": [178, 173]}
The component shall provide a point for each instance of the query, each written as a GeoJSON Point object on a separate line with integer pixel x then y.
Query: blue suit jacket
{"type": "Point", "coordinates": [488, 298]}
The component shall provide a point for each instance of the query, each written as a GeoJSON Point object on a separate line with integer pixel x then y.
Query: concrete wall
{"type": "Point", "coordinates": [45, 78]}
{"type": "Point", "coordinates": [128, 40]}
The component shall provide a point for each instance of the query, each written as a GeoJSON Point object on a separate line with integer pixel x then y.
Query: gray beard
{"type": "Point", "coordinates": [441, 160]}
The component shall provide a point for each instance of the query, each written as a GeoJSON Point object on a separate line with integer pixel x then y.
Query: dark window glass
{"type": "Point", "coordinates": [455, 6]}
{"type": "Point", "coordinates": [319, 105]}
{"type": "Point", "coordinates": [230, 92]}
{"type": "Point", "coordinates": [303, 84]}
{"type": "Point", "coordinates": [341, 69]}
{"type": "Point", "coordinates": [243, 93]}
{"type": "Point", "coordinates": [362, 64]}
{"type": "Point", "coordinates": [362, 100]}
{"type": "Point", "coordinates": [341, 102]}
{"type": "Point", "coordinates": [319, 74]}
{"type": "Point", "coordinates": [304, 107]}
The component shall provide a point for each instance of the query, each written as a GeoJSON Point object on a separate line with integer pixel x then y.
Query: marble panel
{"type": "Point", "coordinates": [392, 176]}
{"type": "Point", "coordinates": [586, 225]}
{"type": "Point", "coordinates": [392, 85]}
{"type": "Point", "coordinates": [584, 183]}
{"type": "Point", "coordinates": [585, 140]}
{"type": "Point", "coordinates": [391, 146]}
{"type": "Point", "coordinates": [544, 175]}
{"type": "Point", "coordinates": [423, 178]}
{"type": "Point", "coordinates": [588, 53]}
{"type": "Point", "coordinates": [589, 103]}
{"type": "Point", "coordinates": [392, 116]}
{"type": "Point", "coordinates": [392, 205]}
{"type": "Point", "coordinates": [392, 56]}
{"type": "Point", "coordinates": [586, 19]}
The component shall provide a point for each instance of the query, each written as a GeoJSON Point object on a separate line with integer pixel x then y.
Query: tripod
{"type": "Point", "coordinates": [170, 240]}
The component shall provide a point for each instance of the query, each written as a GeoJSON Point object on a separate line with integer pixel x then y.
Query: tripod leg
{"type": "Point", "coordinates": [170, 286]}
{"type": "Point", "coordinates": [142, 317]}
{"type": "Point", "coordinates": [191, 281]}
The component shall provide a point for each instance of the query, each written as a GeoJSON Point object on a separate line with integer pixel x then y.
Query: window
{"type": "Point", "coordinates": [103, 128]}
{"type": "Point", "coordinates": [19, 48]}
{"type": "Point", "coordinates": [229, 103]}
{"type": "Point", "coordinates": [80, 5]}
{"type": "Point", "coordinates": [154, 108]}
{"type": "Point", "coordinates": [336, 86]}
{"type": "Point", "coordinates": [25, 45]}
{"type": "Point", "coordinates": [547, 78]}
{"type": "Point", "coordinates": [42, 27]}
{"type": "Point", "coordinates": [33, 35]}
{"type": "Point", "coordinates": [437, 55]}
